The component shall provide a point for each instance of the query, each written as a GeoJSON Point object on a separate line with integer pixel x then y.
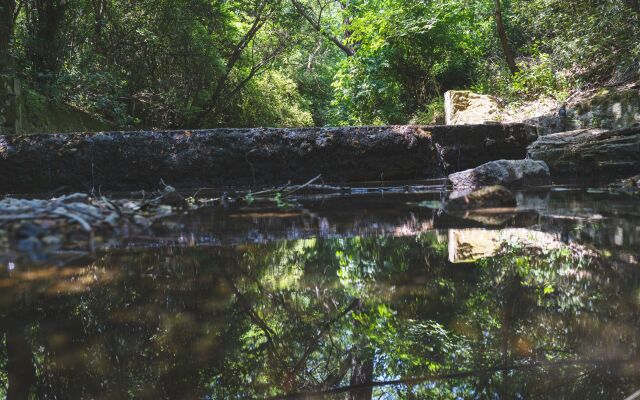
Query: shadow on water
{"type": "Point", "coordinates": [355, 297]}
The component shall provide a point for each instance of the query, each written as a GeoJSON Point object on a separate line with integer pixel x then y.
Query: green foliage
{"type": "Point", "coordinates": [407, 55]}
{"type": "Point", "coordinates": [537, 78]}
{"type": "Point", "coordinates": [433, 113]}
{"type": "Point", "coordinates": [196, 63]}
{"type": "Point", "coordinates": [272, 99]}
{"type": "Point", "coordinates": [589, 39]}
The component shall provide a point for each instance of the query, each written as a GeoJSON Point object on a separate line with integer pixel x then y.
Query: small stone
{"type": "Point", "coordinates": [141, 221]}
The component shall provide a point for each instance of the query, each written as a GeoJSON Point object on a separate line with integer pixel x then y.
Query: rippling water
{"type": "Point", "coordinates": [367, 296]}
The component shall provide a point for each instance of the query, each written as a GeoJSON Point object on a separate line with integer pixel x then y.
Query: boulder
{"type": "Point", "coordinates": [463, 107]}
{"type": "Point", "coordinates": [488, 197]}
{"type": "Point", "coordinates": [510, 173]}
{"type": "Point", "coordinates": [590, 153]}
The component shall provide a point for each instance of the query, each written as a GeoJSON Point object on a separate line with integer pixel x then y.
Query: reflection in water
{"type": "Point", "coordinates": [359, 317]}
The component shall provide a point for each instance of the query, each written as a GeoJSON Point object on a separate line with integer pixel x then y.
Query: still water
{"type": "Point", "coordinates": [371, 296]}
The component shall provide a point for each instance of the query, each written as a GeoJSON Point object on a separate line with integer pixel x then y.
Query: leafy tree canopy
{"type": "Point", "coordinates": [203, 63]}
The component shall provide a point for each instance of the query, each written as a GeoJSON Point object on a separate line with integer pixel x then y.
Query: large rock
{"type": "Point", "coordinates": [139, 160]}
{"type": "Point", "coordinates": [590, 153]}
{"type": "Point", "coordinates": [511, 173]}
{"type": "Point", "coordinates": [463, 107]}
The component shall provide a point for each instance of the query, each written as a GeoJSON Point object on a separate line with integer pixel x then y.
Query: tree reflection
{"type": "Point", "coordinates": [367, 317]}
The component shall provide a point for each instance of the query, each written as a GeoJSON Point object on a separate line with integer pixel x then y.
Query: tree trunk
{"type": "Point", "coordinates": [502, 34]}
{"type": "Point", "coordinates": [259, 20]}
{"type": "Point", "coordinates": [46, 18]}
{"type": "Point", "coordinates": [317, 25]}
{"type": "Point", "coordinates": [7, 8]}
{"type": "Point", "coordinates": [362, 374]}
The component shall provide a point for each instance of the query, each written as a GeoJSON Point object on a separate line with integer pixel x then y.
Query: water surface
{"type": "Point", "coordinates": [364, 296]}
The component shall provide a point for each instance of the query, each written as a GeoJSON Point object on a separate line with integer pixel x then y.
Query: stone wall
{"type": "Point", "coordinates": [609, 108]}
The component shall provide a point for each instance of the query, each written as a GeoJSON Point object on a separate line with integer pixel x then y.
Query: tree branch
{"type": "Point", "coordinates": [316, 25]}
{"type": "Point", "coordinates": [315, 342]}
{"type": "Point", "coordinates": [257, 24]}
{"type": "Point", "coordinates": [453, 375]}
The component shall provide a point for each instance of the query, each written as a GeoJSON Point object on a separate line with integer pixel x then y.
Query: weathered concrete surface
{"type": "Point", "coordinates": [466, 146]}
{"type": "Point", "coordinates": [590, 153]}
{"type": "Point", "coordinates": [510, 173]}
{"type": "Point", "coordinates": [139, 160]}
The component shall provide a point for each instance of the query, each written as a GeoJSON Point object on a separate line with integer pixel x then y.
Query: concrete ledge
{"type": "Point", "coordinates": [112, 161]}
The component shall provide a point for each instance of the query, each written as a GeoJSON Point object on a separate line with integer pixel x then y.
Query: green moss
{"type": "Point", "coordinates": [44, 116]}
{"type": "Point", "coordinates": [35, 102]}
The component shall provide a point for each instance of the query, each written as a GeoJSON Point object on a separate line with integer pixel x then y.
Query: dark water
{"type": "Point", "coordinates": [350, 297]}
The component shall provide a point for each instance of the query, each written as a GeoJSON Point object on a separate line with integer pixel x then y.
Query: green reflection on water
{"type": "Point", "coordinates": [316, 315]}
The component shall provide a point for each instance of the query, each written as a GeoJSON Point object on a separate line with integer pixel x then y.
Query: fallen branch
{"type": "Point", "coordinates": [299, 188]}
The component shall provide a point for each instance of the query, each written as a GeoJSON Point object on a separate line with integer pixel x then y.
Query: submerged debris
{"type": "Point", "coordinates": [77, 223]}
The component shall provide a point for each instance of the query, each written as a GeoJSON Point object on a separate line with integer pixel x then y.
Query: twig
{"type": "Point", "coordinates": [17, 217]}
{"type": "Point", "coordinates": [297, 189]}
{"type": "Point", "coordinates": [271, 191]}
